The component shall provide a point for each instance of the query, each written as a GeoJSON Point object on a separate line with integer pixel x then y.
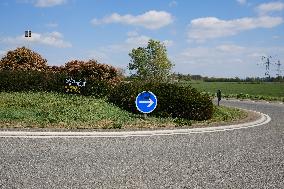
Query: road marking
{"type": "Point", "coordinates": [264, 119]}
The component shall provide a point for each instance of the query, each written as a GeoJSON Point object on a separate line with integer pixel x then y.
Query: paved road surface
{"type": "Point", "coordinates": [245, 158]}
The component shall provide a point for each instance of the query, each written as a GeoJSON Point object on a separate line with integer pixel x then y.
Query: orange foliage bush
{"type": "Point", "coordinates": [23, 59]}
{"type": "Point", "coordinates": [92, 70]}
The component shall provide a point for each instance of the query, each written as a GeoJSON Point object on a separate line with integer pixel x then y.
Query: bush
{"type": "Point", "coordinates": [100, 78]}
{"type": "Point", "coordinates": [23, 59]}
{"type": "Point", "coordinates": [20, 80]}
{"type": "Point", "coordinates": [173, 100]}
{"type": "Point", "coordinates": [96, 88]}
{"type": "Point", "coordinates": [93, 71]}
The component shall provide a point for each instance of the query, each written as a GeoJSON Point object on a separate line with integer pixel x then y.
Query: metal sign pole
{"type": "Point", "coordinates": [28, 34]}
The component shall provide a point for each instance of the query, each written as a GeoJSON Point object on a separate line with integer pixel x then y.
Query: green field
{"type": "Point", "coordinates": [52, 110]}
{"type": "Point", "coordinates": [255, 89]}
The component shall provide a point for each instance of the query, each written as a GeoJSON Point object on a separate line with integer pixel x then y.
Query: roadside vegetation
{"type": "Point", "coordinates": [88, 94]}
{"type": "Point", "coordinates": [270, 91]}
{"type": "Point", "coordinates": [55, 110]}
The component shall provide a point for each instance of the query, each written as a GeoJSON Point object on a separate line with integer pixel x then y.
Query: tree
{"type": "Point", "coordinates": [151, 62]}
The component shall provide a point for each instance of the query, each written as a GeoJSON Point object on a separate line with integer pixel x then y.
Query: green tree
{"type": "Point", "coordinates": [151, 62]}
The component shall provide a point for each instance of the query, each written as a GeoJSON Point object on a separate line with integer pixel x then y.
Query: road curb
{"type": "Point", "coordinates": [253, 101]}
{"type": "Point", "coordinates": [264, 119]}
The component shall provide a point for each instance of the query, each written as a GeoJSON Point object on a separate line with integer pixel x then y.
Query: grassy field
{"type": "Point", "coordinates": [52, 110]}
{"type": "Point", "coordinates": [252, 89]}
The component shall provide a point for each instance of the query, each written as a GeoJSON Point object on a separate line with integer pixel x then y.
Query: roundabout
{"type": "Point", "coordinates": [263, 119]}
{"type": "Point", "coordinates": [241, 156]}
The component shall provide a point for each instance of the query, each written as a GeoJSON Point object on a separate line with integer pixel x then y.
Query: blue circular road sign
{"type": "Point", "coordinates": [146, 102]}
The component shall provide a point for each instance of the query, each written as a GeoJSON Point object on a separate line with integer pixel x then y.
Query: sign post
{"type": "Point", "coordinates": [28, 34]}
{"type": "Point", "coordinates": [146, 102]}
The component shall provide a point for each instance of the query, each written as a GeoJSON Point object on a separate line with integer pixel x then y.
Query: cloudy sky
{"type": "Point", "coordinates": [224, 38]}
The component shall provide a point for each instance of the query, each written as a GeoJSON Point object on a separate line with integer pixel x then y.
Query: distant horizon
{"type": "Point", "coordinates": [224, 39]}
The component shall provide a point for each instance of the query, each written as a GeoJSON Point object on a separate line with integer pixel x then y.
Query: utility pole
{"type": "Point", "coordinates": [266, 61]}
{"type": "Point", "coordinates": [278, 69]}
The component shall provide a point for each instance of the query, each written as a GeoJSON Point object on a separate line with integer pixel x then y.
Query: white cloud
{"type": "Point", "coordinates": [150, 20]}
{"type": "Point", "coordinates": [51, 39]}
{"type": "Point", "coordinates": [225, 60]}
{"type": "Point", "coordinates": [48, 3]}
{"type": "Point", "coordinates": [173, 3]}
{"type": "Point", "coordinates": [134, 40]}
{"type": "Point", "coordinates": [168, 43]}
{"type": "Point", "coordinates": [100, 56]}
{"type": "Point", "coordinates": [201, 29]}
{"type": "Point", "coordinates": [230, 48]}
{"type": "Point", "coordinates": [132, 33]}
{"type": "Point", "coordinates": [51, 25]}
{"type": "Point", "coordinates": [242, 2]}
{"type": "Point", "coordinates": [276, 37]}
{"type": "Point", "coordinates": [265, 8]}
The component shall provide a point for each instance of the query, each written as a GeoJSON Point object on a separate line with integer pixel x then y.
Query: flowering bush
{"type": "Point", "coordinates": [23, 59]}
{"type": "Point", "coordinates": [25, 70]}
{"type": "Point", "coordinates": [93, 71]}
{"type": "Point", "coordinates": [72, 86]}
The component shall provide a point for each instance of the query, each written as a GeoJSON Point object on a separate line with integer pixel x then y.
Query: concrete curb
{"type": "Point", "coordinates": [253, 101]}
{"type": "Point", "coordinates": [264, 119]}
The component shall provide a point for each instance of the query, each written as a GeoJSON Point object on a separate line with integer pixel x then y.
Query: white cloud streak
{"type": "Point", "coordinates": [266, 8]}
{"type": "Point", "coordinates": [51, 25]}
{"type": "Point", "coordinates": [201, 29]}
{"type": "Point", "coordinates": [54, 39]}
{"type": "Point", "coordinates": [242, 2]}
{"type": "Point", "coordinates": [151, 20]}
{"type": "Point", "coordinates": [225, 60]}
{"type": "Point", "coordinates": [173, 3]}
{"type": "Point", "coordinates": [48, 3]}
{"type": "Point", "coordinates": [135, 40]}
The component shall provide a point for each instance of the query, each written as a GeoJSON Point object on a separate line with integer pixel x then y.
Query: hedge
{"type": "Point", "coordinates": [20, 80]}
{"type": "Point", "coordinates": [173, 100]}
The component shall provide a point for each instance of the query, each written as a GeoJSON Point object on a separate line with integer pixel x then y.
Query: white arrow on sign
{"type": "Point", "coordinates": [151, 102]}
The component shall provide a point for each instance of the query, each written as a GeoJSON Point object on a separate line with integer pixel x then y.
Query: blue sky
{"type": "Point", "coordinates": [224, 38]}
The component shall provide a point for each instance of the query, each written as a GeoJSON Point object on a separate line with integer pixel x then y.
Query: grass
{"type": "Point", "coordinates": [52, 110]}
{"type": "Point", "coordinates": [261, 91]}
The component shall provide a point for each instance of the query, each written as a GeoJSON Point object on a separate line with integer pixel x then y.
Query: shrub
{"type": "Point", "coordinates": [54, 81]}
{"type": "Point", "coordinates": [173, 100]}
{"type": "Point", "coordinates": [23, 59]}
{"type": "Point", "coordinates": [100, 78]}
{"type": "Point", "coordinates": [21, 80]}
{"type": "Point", "coordinates": [56, 69]}
{"type": "Point", "coordinates": [96, 88]}
{"type": "Point", "coordinates": [93, 71]}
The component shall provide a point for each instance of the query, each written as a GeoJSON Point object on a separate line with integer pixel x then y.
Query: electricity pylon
{"type": "Point", "coordinates": [266, 61]}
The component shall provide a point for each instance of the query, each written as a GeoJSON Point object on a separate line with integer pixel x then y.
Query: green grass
{"type": "Point", "coordinates": [52, 110]}
{"type": "Point", "coordinates": [263, 91]}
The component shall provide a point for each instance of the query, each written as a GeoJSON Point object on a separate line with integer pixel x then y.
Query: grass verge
{"type": "Point", "coordinates": [52, 110]}
{"type": "Point", "coordinates": [269, 91]}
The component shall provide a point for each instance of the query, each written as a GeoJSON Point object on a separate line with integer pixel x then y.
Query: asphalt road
{"type": "Point", "coordinates": [244, 158]}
